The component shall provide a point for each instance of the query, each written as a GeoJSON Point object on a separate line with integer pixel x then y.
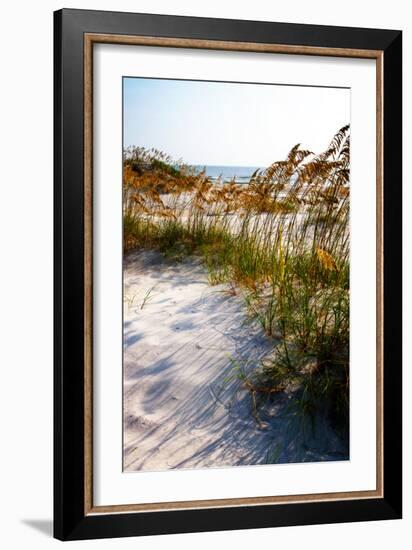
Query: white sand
{"type": "Point", "coordinates": [183, 405]}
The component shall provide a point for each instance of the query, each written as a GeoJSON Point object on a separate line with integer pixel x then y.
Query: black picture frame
{"type": "Point", "coordinates": [71, 522]}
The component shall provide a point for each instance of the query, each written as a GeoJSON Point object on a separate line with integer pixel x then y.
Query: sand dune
{"type": "Point", "coordinates": [184, 406]}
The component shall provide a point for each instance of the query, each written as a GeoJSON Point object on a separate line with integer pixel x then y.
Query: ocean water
{"type": "Point", "coordinates": [241, 174]}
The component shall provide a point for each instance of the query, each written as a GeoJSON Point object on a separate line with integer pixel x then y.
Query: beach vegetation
{"type": "Point", "coordinates": [281, 241]}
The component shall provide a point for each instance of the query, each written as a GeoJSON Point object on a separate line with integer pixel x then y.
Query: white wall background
{"type": "Point", "coordinates": [26, 145]}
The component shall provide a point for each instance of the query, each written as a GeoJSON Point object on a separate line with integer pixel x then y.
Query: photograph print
{"type": "Point", "coordinates": [236, 249]}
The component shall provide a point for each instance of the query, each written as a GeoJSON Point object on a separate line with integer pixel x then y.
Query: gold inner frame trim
{"type": "Point", "coordinates": [89, 40]}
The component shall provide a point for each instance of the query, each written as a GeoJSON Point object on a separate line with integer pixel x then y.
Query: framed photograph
{"type": "Point", "coordinates": [227, 274]}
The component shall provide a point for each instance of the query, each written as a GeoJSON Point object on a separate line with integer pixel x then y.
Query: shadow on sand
{"type": "Point", "coordinates": [184, 402]}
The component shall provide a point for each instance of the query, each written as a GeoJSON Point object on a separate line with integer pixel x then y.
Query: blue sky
{"type": "Point", "coordinates": [230, 124]}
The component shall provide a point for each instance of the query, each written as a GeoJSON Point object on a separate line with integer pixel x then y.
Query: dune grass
{"type": "Point", "coordinates": [282, 239]}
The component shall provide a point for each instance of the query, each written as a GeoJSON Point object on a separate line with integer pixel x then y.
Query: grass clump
{"type": "Point", "coordinates": [283, 238]}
